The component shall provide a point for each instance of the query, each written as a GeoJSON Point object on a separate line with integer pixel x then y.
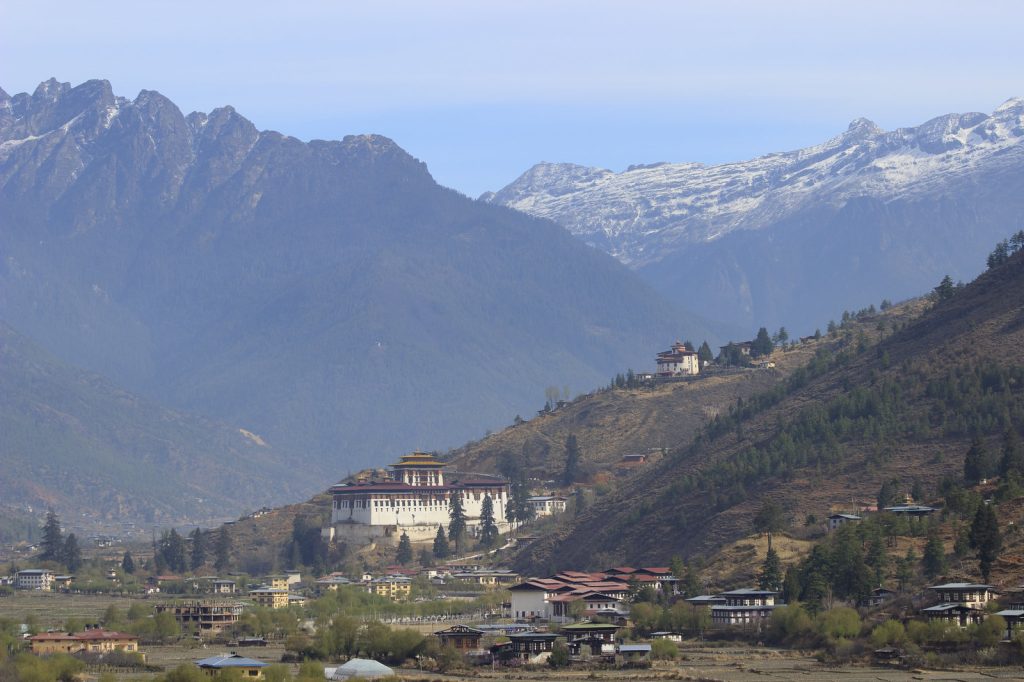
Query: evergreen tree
{"type": "Point", "coordinates": [172, 551]}
{"type": "Point", "coordinates": [404, 556]}
{"type": "Point", "coordinates": [456, 522]}
{"type": "Point", "coordinates": [769, 519]}
{"type": "Point", "coordinates": [771, 572]}
{"type": "Point", "coordinates": [71, 553]}
{"type": "Point", "coordinates": [128, 563]}
{"type": "Point", "coordinates": [441, 549]}
{"type": "Point", "coordinates": [945, 290]}
{"type": "Point", "coordinates": [488, 529]}
{"type": "Point", "coordinates": [198, 557]}
{"type": "Point", "coordinates": [791, 585]}
{"type": "Point", "coordinates": [887, 494]}
{"type": "Point", "coordinates": [704, 355]}
{"type": "Point", "coordinates": [762, 344]}
{"type": "Point", "coordinates": [977, 462]}
{"type": "Point", "coordinates": [985, 538]}
{"type": "Point", "coordinates": [53, 539]}
{"type": "Point", "coordinates": [1012, 460]}
{"type": "Point", "coordinates": [572, 461]}
{"type": "Point", "coordinates": [691, 581]}
{"type": "Point", "coordinates": [222, 550]}
{"type": "Point", "coordinates": [934, 560]}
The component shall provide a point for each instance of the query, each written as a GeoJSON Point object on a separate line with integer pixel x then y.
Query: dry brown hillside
{"type": "Point", "coordinates": [905, 407]}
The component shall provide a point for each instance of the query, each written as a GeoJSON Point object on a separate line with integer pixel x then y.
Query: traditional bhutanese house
{"type": "Point", "coordinates": [1014, 621]}
{"type": "Point", "coordinates": [547, 505]}
{"type": "Point", "coordinates": [462, 637]}
{"type": "Point", "coordinates": [62, 583]}
{"type": "Point", "coordinates": [957, 614]}
{"type": "Point", "coordinates": [633, 653]}
{"type": "Point", "coordinates": [495, 578]}
{"type": "Point", "coordinates": [705, 600]}
{"type": "Point", "coordinates": [677, 361]}
{"type": "Point", "coordinates": [270, 597]}
{"type": "Point", "coordinates": [837, 520]}
{"type": "Point", "coordinates": [969, 594]}
{"type": "Point", "coordinates": [331, 583]}
{"type": "Point", "coordinates": [532, 646]}
{"type": "Point", "coordinates": [911, 510]}
{"type": "Point", "coordinates": [598, 602]}
{"type": "Point", "coordinates": [878, 596]}
{"type": "Point", "coordinates": [248, 667]}
{"type": "Point", "coordinates": [676, 637]}
{"type": "Point", "coordinates": [92, 640]}
{"type": "Point", "coordinates": [530, 599]}
{"type": "Point", "coordinates": [595, 639]}
{"type": "Point", "coordinates": [224, 586]}
{"type": "Point", "coordinates": [743, 607]}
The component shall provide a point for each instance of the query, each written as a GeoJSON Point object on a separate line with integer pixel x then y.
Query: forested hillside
{"type": "Point", "coordinates": [907, 408]}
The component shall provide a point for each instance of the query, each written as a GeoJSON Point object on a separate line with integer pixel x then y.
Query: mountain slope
{"type": "Point", "coordinates": [74, 442]}
{"type": "Point", "coordinates": [328, 295]}
{"type": "Point", "coordinates": [905, 408]}
{"type": "Point", "coordinates": [788, 238]}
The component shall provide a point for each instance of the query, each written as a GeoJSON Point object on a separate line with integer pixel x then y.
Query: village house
{"type": "Point", "coordinates": [837, 520]}
{"type": "Point", "coordinates": [547, 505]}
{"type": "Point", "coordinates": [394, 587]}
{"type": "Point", "coordinates": [248, 668]}
{"type": "Point", "coordinates": [331, 583]}
{"type": "Point", "coordinates": [34, 579]}
{"type": "Point", "coordinates": [414, 499]}
{"type": "Point", "coordinates": [677, 361]}
{"type": "Point", "coordinates": [743, 607]}
{"type": "Point", "coordinates": [956, 614]}
{"type": "Point", "coordinates": [631, 654]}
{"type": "Point", "coordinates": [911, 510]}
{"type": "Point", "coordinates": [461, 637]}
{"type": "Point", "coordinates": [590, 639]}
{"type": "Point", "coordinates": [602, 592]}
{"type": "Point", "coordinates": [203, 616]}
{"type": "Point", "coordinates": [93, 640]}
{"type": "Point", "coordinates": [969, 594]}
{"type": "Point", "coordinates": [878, 596]}
{"type": "Point", "coordinates": [270, 597]}
{"type": "Point", "coordinates": [532, 647]}
{"type": "Point", "coordinates": [496, 578]}
{"type": "Point", "coordinates": [1014, 618]}
{"type": "Point", "coordinates": [224, 587]}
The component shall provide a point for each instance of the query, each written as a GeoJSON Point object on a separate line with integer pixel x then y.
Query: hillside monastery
{"type": "Point", "coordinates": [414, 499]}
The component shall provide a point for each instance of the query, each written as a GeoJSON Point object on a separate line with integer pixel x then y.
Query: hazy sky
{"type": "Point", "coordinates": [481, 90]}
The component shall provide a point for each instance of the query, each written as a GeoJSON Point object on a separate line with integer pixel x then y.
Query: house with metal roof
{"type": "Point", "coordinates": [248, 667]}
{"type": "Point", "coordinates": [969, 594]}
{"type": "Point", "coordinates": [836, 520]}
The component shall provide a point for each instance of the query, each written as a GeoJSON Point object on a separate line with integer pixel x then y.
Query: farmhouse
{"type": "Point", "coordinates": [837, 520]}
{"type": "Point", "coordinates": [743, 607]}
{"type": "Point", "coordinates": [547, 505]}
{"type": "Point", "coordinates": [92, 640]}
{"type": "Point", "coordinates": [247, 667]}
{"type": "Point", "coordinates": [968, 594]}
{"type": "Point", "coordinates": [462, 637]}
{"type": "Point", "coordinates": [415, 499]}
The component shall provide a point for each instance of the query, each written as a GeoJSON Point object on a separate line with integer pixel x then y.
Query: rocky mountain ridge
{"type": "Point", "coordinates": [747, 237]}
{"type": "Point", "coordinates": [327, 295]}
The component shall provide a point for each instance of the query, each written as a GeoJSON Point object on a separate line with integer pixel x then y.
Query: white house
{"type": "Point", "coordinates": [34, 579]}
{"type": "Point", "coordinates": [677, 361]}
{"type": "Point", "coordinates": [547, 505]}
{"type": "Point", "coordinates": [837, 520]}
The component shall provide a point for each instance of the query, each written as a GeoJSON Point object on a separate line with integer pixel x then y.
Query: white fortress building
{"type": "Point", "coordinates": [677, 361]}
{"type": "Point", "coordinates": [414, 499]}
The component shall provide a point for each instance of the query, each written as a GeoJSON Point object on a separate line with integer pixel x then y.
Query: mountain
{"type": "Point", "coordinates": [328, 295]}
{"type": "Point", "coordinates": [861, 413]}
{"type": "Point", "coordinates": [102, 456]}
{"type": "Point", "coordinates": [789, 238]}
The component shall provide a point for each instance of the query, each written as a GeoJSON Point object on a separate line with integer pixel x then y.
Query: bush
{"type": "Point", "coordinates": [664, 650]}
{"type": "Point", "coordinates": [889, 633]}
{"type": "Point", "coordinates": [789, 624]}
{"type": "Point", "coordinates": [840, 622]}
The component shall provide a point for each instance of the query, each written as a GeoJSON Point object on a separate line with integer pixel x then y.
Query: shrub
{"type": "Point", "coordinates": [664, 650]}
{"type": "Point", "coordinates": [889, 633]}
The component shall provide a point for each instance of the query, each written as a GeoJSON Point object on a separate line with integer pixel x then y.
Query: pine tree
{"type": "Point", "coordinates": [791, 585]}
{"type": "Point", "coordinates": [456, 522]}
{"type": "Point", "coordinates": [404, 555]}
{"type": "Point", "coordinates": [488, 529]}
{"type": "Point", "coordinates": [886, 495]}
{"type": "Point", "coordinates": [934, 560]}
{"type": "Point", "coordinates": [198, 557]}
{"type": "Point", "coordinates": [1012, 460]}
{"type": "Point", "coordinates": [172, 551]}
{"type": "Point", "coordinates": [128, 563]}
{"type": "Point", "coordinates": [945, 290]}
{"type": "Point", "coordinates": [985, 538]}
{"type": "Point", "coordinates": [704, 355]}
{"type": "Point", "coordinates": [572, 461]}
{"type": "Point", "coordinates": [53, 539]}
{"type": "Point", "coordinates": [769, 519]}
{"type": "Point", "coordinates": [977, 462]}
{"type": "Point", "coordinates": [222, 550]}
{"type": "Point", "coordinates": [771, 572]}
{"type": "Point", "coordinates": [71, 553]}
{"type": "Point", "coordinates": [762, 344]}
{"type": "Point", "coordinates": [441, 549]}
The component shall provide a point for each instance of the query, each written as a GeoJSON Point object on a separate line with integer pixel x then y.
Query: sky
{"type": "Point", "coordinates": [481, 90]}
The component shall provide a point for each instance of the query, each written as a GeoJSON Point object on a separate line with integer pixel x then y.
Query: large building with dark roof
{"type": "Point", "coordinates": [415, 499]}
